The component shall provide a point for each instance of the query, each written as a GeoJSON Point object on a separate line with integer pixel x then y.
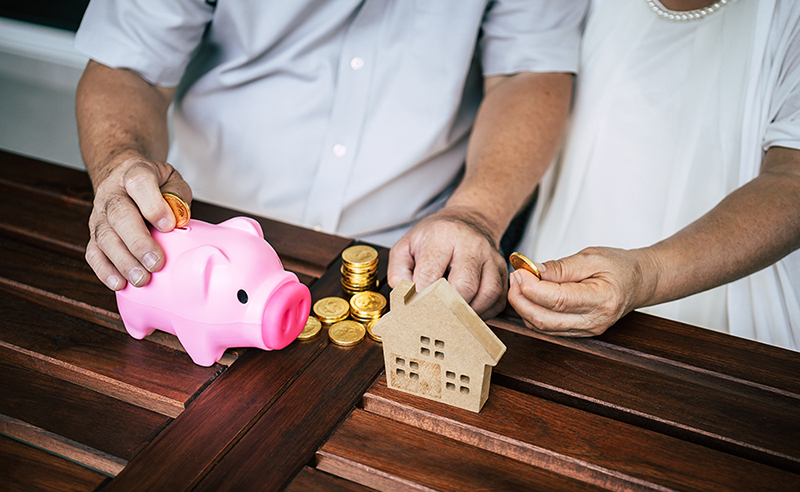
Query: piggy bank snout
{"type": "Point", "coordinates": [285, 314]}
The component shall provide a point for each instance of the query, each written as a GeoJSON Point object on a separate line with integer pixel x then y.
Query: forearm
{"type": "Point", "coordinates": [516, 135]}
{"type": "Point", "coordinates": [120, 116]}
{"type": "Point", "coordinates": [750, 229]}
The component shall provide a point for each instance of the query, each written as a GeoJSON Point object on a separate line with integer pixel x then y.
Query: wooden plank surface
{"type": "Point", "coordinates": [59, 226]}
{"type": "Point", "coordinates": [189, 447]}
{"type": "Point", "coordinates": [107, 361]}
{"type": "Point", "coordinates": [386, 455]}
{"type": "Point", "coordinates": [764, 427]}
{"type": "Point", "coordinates": [117, 430]}
{"type": "Point", "coordinates": [289, 432]}
{"type": "Point", "coordinates": [29, 469]}
{"type": "Point", "coordinates": [50, 181]}
{"type": "Point", "coordinates": [312, 479]}
{"type": "Point", "coordinates": [686, 351]}
{"type": "Point", "coordinates": [578, 444]}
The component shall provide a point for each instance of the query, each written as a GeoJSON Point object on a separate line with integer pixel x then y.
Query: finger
{"type": "Point", "coordinates": [491, 297]}
{"type": "Point", "coordinates": [431, 263]}
{"type": "Point", "coordinates": [103, 268]}
{"type": "Point", "coordinates": [401, 263]}
{"type": "Point", "coordinates": [141, 182]}
{"type": "Point", "coordinates": [491, 294]}
{"type": "Point", "coordinates": [176, 184]}
{"type": "Point", "coordinates": [117, 252]}
{"type": "Point", "coordinates": [465, 277]}
{"type": "Point", "coordinates": [129, 235]}
{"type": "Point", "coordinates": [544, 319]}
{"type": "Point", "coordinates": [566, 297]}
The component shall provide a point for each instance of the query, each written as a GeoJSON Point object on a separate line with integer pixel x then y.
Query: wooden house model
{"type": "Point", "coordinates": [437, 347]}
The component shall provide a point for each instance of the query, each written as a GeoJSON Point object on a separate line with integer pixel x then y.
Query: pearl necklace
{"type": "Point", "coordinates": [689, 15]}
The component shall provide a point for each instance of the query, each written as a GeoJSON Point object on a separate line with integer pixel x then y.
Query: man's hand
{"type": "Point", "coordinates": [120, 246]}
{"type": "Point", "coordinates": [124, 138]}
{"type": "Point", "coordinates": [584, 294]}
{"type": "Point", "coordinates": [457, 245]}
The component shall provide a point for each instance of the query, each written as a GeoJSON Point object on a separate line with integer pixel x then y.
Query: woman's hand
{"type": "Point", "coordinates": [584, 294]}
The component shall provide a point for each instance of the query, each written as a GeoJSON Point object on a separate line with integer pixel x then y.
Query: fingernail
{"type": "Point", "coordinates": [113, 282]}
{"type": "Point", "coordinates": [136, 276]}
{"type": "Point", "coordinates": [514, 277]}
{"type": "Point", "coordinates": [541, 267]}
{"type": "Point", "coordinates": [150, 260]}
{"type": "Point", "coordinates": [163, 225]}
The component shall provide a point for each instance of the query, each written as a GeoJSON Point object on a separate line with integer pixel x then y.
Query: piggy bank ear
{"type": "Point", "coordinates": [245, 224]}
{"type": "Point", "coordinates": [195, 268]}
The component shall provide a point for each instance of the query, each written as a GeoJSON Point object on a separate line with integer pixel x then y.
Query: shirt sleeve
{"type": "Point", "coordinates": [532, 36]}
{"type": "Point", "coordinates": [783, 129]}
{"type": "Point", "coordinates": [154, 38]}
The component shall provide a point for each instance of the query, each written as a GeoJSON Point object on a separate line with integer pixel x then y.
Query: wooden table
{"type": "Point", "coordinates": [652, 404]}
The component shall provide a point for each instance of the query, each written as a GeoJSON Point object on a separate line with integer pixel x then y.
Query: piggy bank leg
{"type": "Point", "coordinates": [135, 319]}
{"type": "Point", "coordinates": [196, 340]}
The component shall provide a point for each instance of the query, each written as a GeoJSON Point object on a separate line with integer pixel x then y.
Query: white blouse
{"type": "Point", "coordinates": [669, 118]}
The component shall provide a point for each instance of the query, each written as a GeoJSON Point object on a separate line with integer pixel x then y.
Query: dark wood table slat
{"type": "Point", "coordinates": [29, 469]}
{"type": "Point", "coordinates": [216, 420]}
{"type": "Point", "coordinates": [386, 455]}
{"type": "Point", "coordinates": [59, 407]}
{"type": "Point", "coordinates": [686, 351]}
{"type": "Point", "coordinates": [766, 431]}
{"type": "Point", "coordinates": [65, 229]}
{"type": "Point", "coordinates": [47, 181]}
{"type": "Point", "coordinates": [287, 435]}
{"type": "Point", "coordinates": [312, 479]}
{"type": "Point", "coordinates": [578, 444]}
{"type": "Point", "coordinates": [139, 372]}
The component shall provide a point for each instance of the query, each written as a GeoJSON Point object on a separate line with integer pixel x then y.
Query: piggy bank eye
{"type": "Point", "coordinates": [242, 295]}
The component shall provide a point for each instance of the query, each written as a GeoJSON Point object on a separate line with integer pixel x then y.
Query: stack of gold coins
{"type": "Point", "coordinates": [330, 310]}
{"type": "Point", "coordinates": [366, 306]}
{"type": "Point", "coordinates": [359, 269]}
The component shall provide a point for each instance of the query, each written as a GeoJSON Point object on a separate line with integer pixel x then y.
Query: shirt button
{"type": "Point", "coordinates": [356, 63]}
{"type": "Point", "coordinates": [339, 150]}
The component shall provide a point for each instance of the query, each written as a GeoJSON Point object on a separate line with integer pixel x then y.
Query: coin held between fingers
{"type": "Point", "coordinates": [518, 260]}
{"type": "Point", "coordinates": [179, 208]}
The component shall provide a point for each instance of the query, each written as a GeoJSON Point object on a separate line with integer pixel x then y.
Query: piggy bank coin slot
{"type": "Point", "coordinates": [242, 296]}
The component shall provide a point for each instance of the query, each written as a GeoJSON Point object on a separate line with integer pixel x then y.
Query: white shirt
{"type": "Point", "coordinates": [349, 116]}
{"type": "Point", "coordinates": [670, 117]}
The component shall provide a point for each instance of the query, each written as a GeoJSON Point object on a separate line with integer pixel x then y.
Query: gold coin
{"type": "Point", "coordinates": [347, 333]}
{"type": "Point", "coordinates": [354, 272]}
{"type": "Point", "coordinates": [179, 208]}
{"type": "Point", "coordinates": [312, 329]}
{"type": "Point", "coordinates": [370, 325]}
{"type": "Point", "coordinates": [329, 310]}
{"type": "Point", "coordinates": [518, 260]}
{"type": "Point", "coordinates": [367, 304]}
{"type": "Point", "coordinates": [359, 256]}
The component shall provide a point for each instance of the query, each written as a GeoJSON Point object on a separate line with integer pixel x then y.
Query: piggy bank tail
{"type": "Point", "coordinates": [285, 314]}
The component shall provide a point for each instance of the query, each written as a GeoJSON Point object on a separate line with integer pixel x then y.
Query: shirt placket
{"type": "Point", "coordinates": [348, 115]}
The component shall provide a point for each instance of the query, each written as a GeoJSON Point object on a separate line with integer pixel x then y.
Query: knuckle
{"type": "Point", "coordinates": [114, 208]}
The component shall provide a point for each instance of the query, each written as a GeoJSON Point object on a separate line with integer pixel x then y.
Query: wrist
{"type": "Point", "coordinates": [649, 272]}
{"type": "Point", "coordinates": [476, 219]}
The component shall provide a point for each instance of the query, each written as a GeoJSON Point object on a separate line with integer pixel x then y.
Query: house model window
{"type": "Point", "coordinates": [437, 347]}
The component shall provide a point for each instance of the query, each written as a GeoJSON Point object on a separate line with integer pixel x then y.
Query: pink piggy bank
{"type": "Point", "coordinates": [221, 286]}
